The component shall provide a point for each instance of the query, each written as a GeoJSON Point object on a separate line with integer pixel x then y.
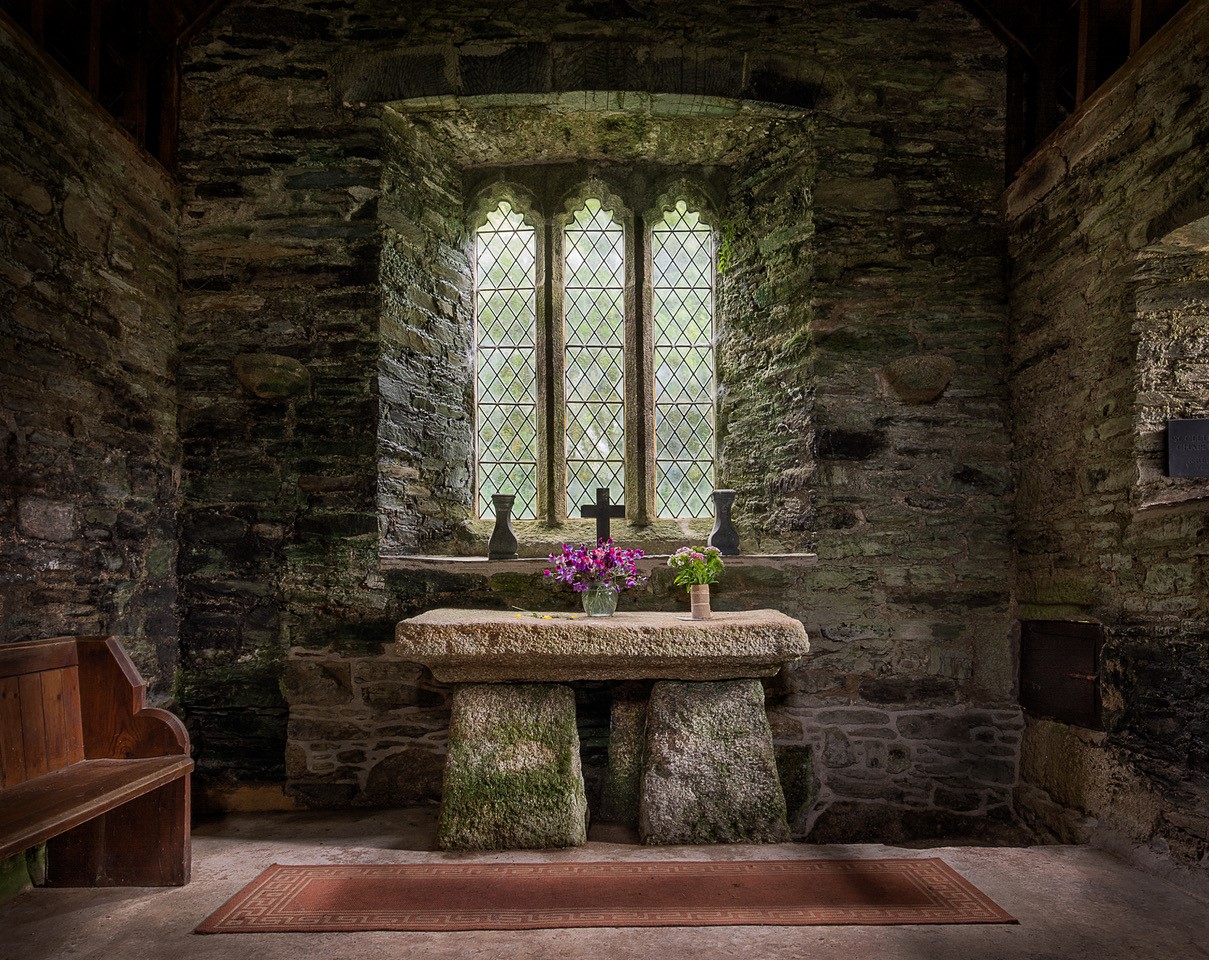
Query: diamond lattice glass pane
{"type": "Point", "coordinates": [518, 478]}
{"type": "Point", "coordinates": [594, 363]}
{"type": "Point", "coordinates": [683, 317]}
{"type": "Point", "coordinates": [683, 489]}
{"type": "Point", "coordinates": [682, 261]}
{"type": "Point", "coordinates": [505, 317]}
{"type": "Point", "coordinates": [595, 432]}
{"type": "Point", "coordinates": [595, 317]}
{"type": "Point", "coordinates": [583, 478]}
{"type": "Point", "coordinates": [595, 375]}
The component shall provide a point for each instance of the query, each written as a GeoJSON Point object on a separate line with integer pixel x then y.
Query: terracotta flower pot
{"type": "Point", "coordinates": [698, 595]}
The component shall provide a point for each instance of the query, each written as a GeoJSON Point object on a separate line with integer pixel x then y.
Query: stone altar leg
{"type": "Point", "coordinates": [627, 750]}
{"type": "Point", "coordinates": [512, 776]}
{"type": "Point", "coordinates": [711, 775]}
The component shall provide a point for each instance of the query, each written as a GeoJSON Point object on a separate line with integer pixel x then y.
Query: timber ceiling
{"type": "Point", "coordinates": [125, 53]}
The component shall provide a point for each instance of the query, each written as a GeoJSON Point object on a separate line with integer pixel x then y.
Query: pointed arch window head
{"type": "Point", "coordinates": [682, 285]}
{"type": "Point", "coordinates": [594, 338]}
{"type": "Point", "coordinates": [505, 322]}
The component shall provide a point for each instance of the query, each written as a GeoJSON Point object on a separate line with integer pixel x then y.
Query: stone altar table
{"type": "Point", "coordinates": [700, 752]}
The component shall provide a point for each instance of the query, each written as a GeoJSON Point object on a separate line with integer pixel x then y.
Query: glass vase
{"type": "Point", "coordinates": [600, 601]}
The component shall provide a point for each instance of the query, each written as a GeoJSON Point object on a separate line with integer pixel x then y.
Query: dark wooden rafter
{"type": "Point", "coordinates": [124, 53]}
{"type": "Point", "coordinates": [94, 48]}
{"type": "Point", "coordinates": [1088, 50]}
{"type": "Point", "coordinates": [1059, 52]}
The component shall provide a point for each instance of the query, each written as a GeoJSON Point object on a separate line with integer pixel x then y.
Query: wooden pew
{"type": "Point", "coordinates": [88, 767]}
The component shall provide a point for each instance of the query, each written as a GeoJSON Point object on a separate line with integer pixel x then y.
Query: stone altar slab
{"type": "Point", "coordinates": [500, 646]}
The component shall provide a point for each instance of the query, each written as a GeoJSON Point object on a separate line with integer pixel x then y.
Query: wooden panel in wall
{"type": "Point", "coordinates": [12, 736]}
{"type": "Point", "coordinates": [33, 725]}
{"type": "Point", "coordinates": [1060, 670]}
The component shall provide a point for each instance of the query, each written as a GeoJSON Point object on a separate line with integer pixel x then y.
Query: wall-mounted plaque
{"type": "Point", "coordinates": [1188, 448]}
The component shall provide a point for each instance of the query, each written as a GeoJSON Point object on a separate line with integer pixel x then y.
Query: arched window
{"type": "Point", "coordinates": [579, 383]}
{"type": "Point", "coordinates": [505, 368]}
{"type": "Point", "coordinates": [594, 333]}
{"type": "Point", "coordinates": [682, 283]}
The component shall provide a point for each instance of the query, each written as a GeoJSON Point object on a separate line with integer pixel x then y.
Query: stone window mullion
{"type": "Point", "coordinates": [554, 335]}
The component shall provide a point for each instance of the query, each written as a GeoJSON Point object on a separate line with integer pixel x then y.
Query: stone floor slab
{"type": "Point", "coordinates": [1073, 903]}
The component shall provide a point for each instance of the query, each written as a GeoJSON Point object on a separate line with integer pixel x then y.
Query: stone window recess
{"type": "Point", "coordinates": [1171, 333]}
{"type": "Point", "coordinates": [594, 350]}
{"type": "Point", "coordinates": [708, 397]}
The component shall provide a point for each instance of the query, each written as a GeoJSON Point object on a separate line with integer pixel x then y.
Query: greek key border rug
{"type": "Point", "coordinates": [494, 896]}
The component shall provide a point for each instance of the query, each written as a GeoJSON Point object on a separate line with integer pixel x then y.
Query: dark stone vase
{"type": "Point", "coordinates": [502, 545]}
{"type": "Point", "coordinates": [724, 536]}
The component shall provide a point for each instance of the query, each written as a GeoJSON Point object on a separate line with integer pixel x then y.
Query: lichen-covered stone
{"type": "Point", "coordinates": [919, 379]}
{"type": "Point", "coordinates": [271, 377]}
{"type": "Point", "coordinates": [622, 788]}
{"type": "Point", "coordinates": [498, 645]}
{"type": "Point", "coordinates": [711, 773]}
{"type": "Point", "coordinates": [512, 777]}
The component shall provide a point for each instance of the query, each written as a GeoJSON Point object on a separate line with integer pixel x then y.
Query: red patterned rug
{"type": "Point", "coordinates": [515, 896]}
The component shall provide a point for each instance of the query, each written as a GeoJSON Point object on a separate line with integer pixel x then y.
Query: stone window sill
{"type": "Point", "coordinates": [487, 567]}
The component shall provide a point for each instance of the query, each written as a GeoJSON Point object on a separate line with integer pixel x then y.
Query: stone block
{"type": "Point", "coordinates": [46, 519]}
{"type": "Point", "coordinates": [272, 377]}
{"type": "Point", "coordinates": [16, 184]}
{"type": "Point", "coordinates": [410, 776]}
{"type": "Point", "coordinates": [496, 646]}
{"type": "Point", "coordinates": [919, 379]}
{"type": "Point", "coordinates": [84, 222]}
{"type": "Point", "coordinates": [513, 777]}
{"type": "Point", "coordinates": [627, 751]}
{"type": "Point", "coordinates": [711, 773]}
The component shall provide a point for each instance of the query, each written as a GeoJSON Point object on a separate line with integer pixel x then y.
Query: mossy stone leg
{"type": "Point", "coordinates": [512, 776]}
{"type": "Point", "coordinates": [711, 773]}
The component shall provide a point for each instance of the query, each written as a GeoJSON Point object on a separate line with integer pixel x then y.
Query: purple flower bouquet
{"type": "Point", "coordinates": [589, 568]}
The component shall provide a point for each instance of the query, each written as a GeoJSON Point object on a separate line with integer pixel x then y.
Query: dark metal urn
{"type": "Point", "coordinates": [724, 536]}
{"type": "Point", "coordinates": [502, 545]}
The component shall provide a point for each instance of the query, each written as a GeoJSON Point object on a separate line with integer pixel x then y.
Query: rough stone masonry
{"type": "Point", "coordinates": [324, 148]}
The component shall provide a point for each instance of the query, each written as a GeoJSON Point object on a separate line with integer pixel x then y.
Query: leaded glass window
{"type": "Point", "coordinates": [682, 265]}
{"type": "Point", "coordinates": [505, 318]}
{"type": "Point", "coordinates": [594, 365]}
{"type": "Point", "coordinates": [580, 381]}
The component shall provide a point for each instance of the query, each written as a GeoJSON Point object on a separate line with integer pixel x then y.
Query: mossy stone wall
{"type": "Point", "coordinates": [1109, 240]}
{"type": "Point", "coordinates": [861, 233]}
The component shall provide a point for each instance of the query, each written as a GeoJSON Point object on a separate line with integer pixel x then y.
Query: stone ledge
{"type": "Point", "coordinates": [486, 567]}
{"type": "Point", "coordinates": [492, 646]}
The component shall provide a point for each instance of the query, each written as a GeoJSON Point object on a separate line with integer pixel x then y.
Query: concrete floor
{"type": "Point", "coordinates": [1072, 903]}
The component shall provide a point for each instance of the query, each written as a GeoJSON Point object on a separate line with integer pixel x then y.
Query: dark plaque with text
{"type": "Point", "coordinates": [1188, 448]}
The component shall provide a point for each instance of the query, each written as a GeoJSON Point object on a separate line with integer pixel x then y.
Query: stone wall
{"type": "Point", "coordinates": [1108, 247]}
{"type": "Point", "coordinates": [864, 313]}
{"type": "Point", "coordinates": [89, 455]}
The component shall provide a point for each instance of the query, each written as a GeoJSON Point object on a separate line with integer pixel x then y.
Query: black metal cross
{"type": "Point", "coordinates": [603, 511]}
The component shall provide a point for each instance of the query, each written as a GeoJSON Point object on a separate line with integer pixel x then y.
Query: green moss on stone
{"type": "Point", "coordinates": [19, 872]}
{"type": "Point", "coordinates": [512, 777]}
{"type": "Point", "coordinates": [711, 775]}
